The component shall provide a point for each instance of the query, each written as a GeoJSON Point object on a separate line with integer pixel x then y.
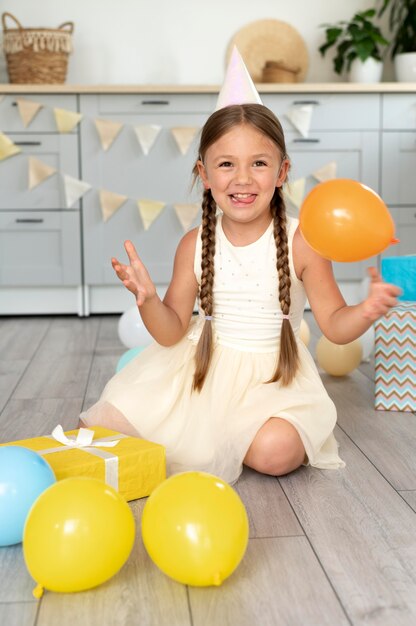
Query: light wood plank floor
{"type": "Point", "coordinates": [326, 547]}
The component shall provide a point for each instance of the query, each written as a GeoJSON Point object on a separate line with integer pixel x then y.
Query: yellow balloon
{"type": "Point", "coordinates": [338, 360]}
{"type": "Point", "coordinates": [305, 333]}
{"type": "Point", "coordinates": [195, 528]}
{"type": "Point", "coordinates": [78, 534]}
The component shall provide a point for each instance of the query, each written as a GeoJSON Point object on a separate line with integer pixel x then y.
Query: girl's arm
{"type": "Point", "coordinates": [166, 321]}
{"type": "Point", "coordinates": [339, 322]}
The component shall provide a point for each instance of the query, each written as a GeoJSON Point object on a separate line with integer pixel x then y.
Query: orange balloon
{"type": "Point", "coordinates": [344, 220]}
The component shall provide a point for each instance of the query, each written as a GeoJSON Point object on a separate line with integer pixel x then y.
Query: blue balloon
{"type": "Point", "coordinates": [128, 356]}
{"type": "Point", "coordinates": [24, 475]}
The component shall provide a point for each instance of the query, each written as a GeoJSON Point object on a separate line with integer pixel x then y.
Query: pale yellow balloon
{"type": "Point", "coordinates": [338, 360]}
{"type": "Point", "coordinates": [304, 333]}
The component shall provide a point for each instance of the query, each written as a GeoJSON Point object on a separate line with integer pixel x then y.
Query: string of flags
{"type": "Point", "coordinates": [108, 130]}
{"type": "Point", "coordinates": [149, 210]}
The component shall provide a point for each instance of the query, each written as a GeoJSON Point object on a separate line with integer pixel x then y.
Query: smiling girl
{"type": "Point", "coordinates": [236, 385]}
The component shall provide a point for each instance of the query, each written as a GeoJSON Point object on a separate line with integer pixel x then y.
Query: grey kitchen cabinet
{"type": "Point", "coordinates": [40, 239]}
{"type": "Point", "coordinates": [58, 260]}
{"type": "Point", "coordinates": [398, 167]}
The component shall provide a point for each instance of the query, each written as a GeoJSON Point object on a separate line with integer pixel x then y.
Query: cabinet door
{"type": "Point", "coordinates": [40, 248]}
{"type": "Point", "coordinates": [164, 175]}
{"type": "Point", "coordinates": [57, 150]}
{"type": "Point", "coordinates": [356, 155]}
{"type": "Point", "coordinates": [405, 221]}
{"type": "Point", "coordinates": [398, 167]}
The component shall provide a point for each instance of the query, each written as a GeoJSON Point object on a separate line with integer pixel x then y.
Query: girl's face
{"type": "Point", "coordinates": [242, 169]}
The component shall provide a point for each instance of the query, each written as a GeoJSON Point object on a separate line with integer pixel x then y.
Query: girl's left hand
{"type": "Point", "coordinates": [381, 296]}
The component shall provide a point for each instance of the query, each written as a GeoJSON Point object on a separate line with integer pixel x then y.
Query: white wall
{"type": "Point", "coordinates": [174, 41]}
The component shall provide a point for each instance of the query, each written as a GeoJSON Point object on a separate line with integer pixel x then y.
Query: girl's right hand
{"type": "Point", "coordinates": [135, 276]}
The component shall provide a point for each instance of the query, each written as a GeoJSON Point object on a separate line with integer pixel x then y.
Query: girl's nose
{"type": "Point", "coordinates": [243, 176]}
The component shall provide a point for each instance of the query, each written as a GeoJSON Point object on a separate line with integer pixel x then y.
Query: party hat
{"type": "Point", "coordinates": [237, 88]}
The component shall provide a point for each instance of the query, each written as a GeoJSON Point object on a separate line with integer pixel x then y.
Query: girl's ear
{"type": "Point", "coordinates": [202, 173]}
{"type": "Point", "coordinates": [283, 172]}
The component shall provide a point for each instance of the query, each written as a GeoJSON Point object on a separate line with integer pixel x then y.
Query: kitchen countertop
{"type": "Point", "coordinates": [394, 87]}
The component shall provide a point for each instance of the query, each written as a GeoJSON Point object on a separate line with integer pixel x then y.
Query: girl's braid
{"type": "Point", "coordinates": [204, 348]}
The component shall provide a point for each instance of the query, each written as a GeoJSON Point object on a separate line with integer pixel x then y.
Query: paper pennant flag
{"type": "Point", "coordinates": [7, 147]}
{"type": "Point", "coordinates": [186, 213]}
{"type": "Point", "coordinates": [146, 135]}
{"type": "Point", "coordinates": [74, 189]}
{"type": "Point", "coordinates": [184, 136]}
{"type": "Point", "coordinates": [149, 210]}
{"type": "Point", "coordinates": [38, 172]}
{"type": "Point", "coordinates": [300, 117]}
{"type": "Point", "coordinates": [107, 131]}
{"type": "Point", "coordinates": [326, 172]}
{"type": "Point", "coordinates": [28, 110]}
{"type": "Point", "coordinates": [66, 120]}
{"type": "Point", "coordinates": [295, 191]}
{"type": "Point", "coordinates": [110, 203]}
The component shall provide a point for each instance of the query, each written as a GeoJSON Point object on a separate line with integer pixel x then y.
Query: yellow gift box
{"type": "Point", "coordinates": [133, 466]}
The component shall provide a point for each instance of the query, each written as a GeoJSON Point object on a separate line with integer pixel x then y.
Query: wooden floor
{"type": "Point", "coordinates": [326, 547]}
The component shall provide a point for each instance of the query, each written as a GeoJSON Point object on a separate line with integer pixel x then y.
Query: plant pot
{"type": "Point", "coordinates": [368, 71]}
{"type": "Point", "coordinates": [405, 67]}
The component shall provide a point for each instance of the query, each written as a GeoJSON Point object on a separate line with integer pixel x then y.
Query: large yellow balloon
{"type": "Point", "coordinates": [195, 528]}
{"type": "Point", "coordinates": [338, 360]}
{"type": "Point", "coordinates": [78, 534]}
{"type": "Point", "coordinates": [343, 220]}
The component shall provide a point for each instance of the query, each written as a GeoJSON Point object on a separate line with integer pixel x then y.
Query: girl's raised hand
{"type": "Point", "coordinates": [381, 296]}
{"type": "Point", "coordinates": [135, 276]}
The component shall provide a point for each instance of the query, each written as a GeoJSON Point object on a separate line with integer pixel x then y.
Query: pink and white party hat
{"type": "Point", "coordinates": [237, 88]}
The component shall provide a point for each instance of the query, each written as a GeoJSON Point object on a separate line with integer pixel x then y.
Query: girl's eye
{"type": "Point", "coordinates": [259, 163]}
{"type": "Point", "coordinates": [225, 164]}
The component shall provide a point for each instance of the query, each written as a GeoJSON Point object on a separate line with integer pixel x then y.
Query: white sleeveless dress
{"type": "Point", "coordinates": [212, 430]}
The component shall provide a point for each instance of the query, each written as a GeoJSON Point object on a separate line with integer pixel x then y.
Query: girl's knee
{"type": "Point", "coordinates": [277, 449]}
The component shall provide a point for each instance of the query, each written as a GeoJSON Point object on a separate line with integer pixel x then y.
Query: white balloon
{"type": "Point", "coordinates": [131, 330]}
{"type": "Point", "coordinates": [304, 332]}
{"type": "Point", "coordinates": [367, 341]}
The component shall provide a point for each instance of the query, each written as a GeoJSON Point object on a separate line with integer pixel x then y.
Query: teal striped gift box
{"type": "Point", "coordinates": [395, 359]}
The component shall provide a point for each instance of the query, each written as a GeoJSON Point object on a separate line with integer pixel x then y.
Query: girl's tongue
{"type": "Point", "coordinates": [244, 198]}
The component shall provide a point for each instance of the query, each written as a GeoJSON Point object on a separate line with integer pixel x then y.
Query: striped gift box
{"type": "Point", "coordinates": [395, 359]}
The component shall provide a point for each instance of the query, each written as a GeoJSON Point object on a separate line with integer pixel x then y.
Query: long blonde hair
{"type": "Point", "coordinates": [219, 123]}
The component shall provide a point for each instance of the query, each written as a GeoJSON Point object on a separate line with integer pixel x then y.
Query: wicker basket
{"type": "Point", "coordinates": [37, 55]}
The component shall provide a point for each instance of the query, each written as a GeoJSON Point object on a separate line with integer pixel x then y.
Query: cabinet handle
{"type": "Point", "coordinates": [29, 220]}
{"type": "Point", "coordinates": [300, 102]}
{"type": "Point", "coordinates": [155, 102]}
{"type": "Point", "coordinates": [27, 143]}
{"type": "Point", "coordinates": [305, 140]}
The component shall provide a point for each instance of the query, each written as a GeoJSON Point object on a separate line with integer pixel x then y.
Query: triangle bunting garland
{"type": "Point", "coordinates": [186, 213]}
{"type": "Point", "coordinates": [149, 210]}
{"type": "Point", "coordinates": [7, 147]}
{"type": "Point", "coordinates": [146, 135]}
{"type": "Point", "coordinates": [107, 131]}
{"type": "Point", "coordinates": [74, 189]}
{"type": "Point", "coordinates": [110, 203]}
{"type": "Point", "coordinates": [326, 172]}
{"type": "Point", "coordinates": [66, 120]}
{"type": "Point", "coordinates": [295, 191]}
{"type": "Point", "coordinates": [27, 110]}
{"type": "Point", "coordinates": [38, 172]}
{"type": "Point", "coordinates": [184, 136]}
{"type": "Point", "coordinates": [300, 117]}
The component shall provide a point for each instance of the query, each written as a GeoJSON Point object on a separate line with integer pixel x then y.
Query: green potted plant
{"type": "Point", "coordinates": [402, 23]}
{"type": "Point", "coordinates": [359, 43]}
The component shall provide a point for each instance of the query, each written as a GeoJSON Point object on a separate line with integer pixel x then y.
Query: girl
{"type": "Point", "coordinates": [237, 385]}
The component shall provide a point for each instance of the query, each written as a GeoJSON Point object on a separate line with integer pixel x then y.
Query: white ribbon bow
{"type": "Point", "coordinates": [84, 439]}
